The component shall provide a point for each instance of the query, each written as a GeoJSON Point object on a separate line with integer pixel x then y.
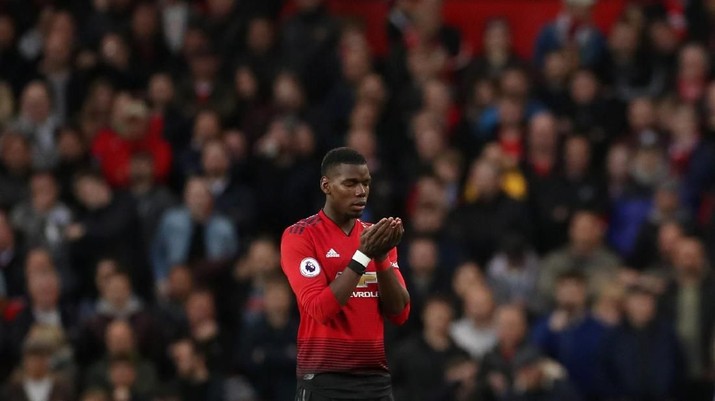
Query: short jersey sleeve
{"type": "Point", "coordinates": [307, 277]}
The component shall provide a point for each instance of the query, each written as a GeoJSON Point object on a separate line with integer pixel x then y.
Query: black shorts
{"type": "Point", "coordinates": [338, 386]}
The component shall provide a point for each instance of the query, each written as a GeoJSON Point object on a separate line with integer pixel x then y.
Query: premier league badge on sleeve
{"type": "Point", "coordinates": [309, 267]}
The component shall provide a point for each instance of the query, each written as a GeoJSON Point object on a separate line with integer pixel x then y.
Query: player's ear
{"type": "Point", "coordinates": [325, 185]}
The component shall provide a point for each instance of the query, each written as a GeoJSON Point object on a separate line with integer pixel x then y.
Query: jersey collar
{"type": "Point", "coordinates": [335, 225]}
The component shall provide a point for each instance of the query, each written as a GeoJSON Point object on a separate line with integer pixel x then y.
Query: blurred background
{"type": "Point", "coordinates": [554, 161]}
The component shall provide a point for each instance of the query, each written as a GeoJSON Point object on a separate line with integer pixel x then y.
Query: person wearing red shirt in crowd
{"type": "Point", "coordinates": [345, 275]}
{"type": "Point", "coordinates": [133, 131]}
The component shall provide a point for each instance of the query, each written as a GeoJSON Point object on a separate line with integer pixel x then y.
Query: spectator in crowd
{"type": "Point", "coordinates": [206, 330]}
{"type": "Point", "coordinates": [692, 74]}
{"type": "Point", "coordinates": [194, 381]}
{"type": "Point", "coordinates": [96, 111]}
{"type": "Point", "coordinates": [43, 218]}
{"type": "Point", "coordinates": [74, 157]}
{"type": "Point", "coordinates": [497, 370]}
{"type": "Point", "coordinates": [574, 31]}
{"type": "Point", "coordinates": [460, 379]}
{"type": "Point", "coordinates": [537, 378]}
{"type": "Point", "coordinates": [607, 307]}
{"type": "Point", "coordinates": [691, 312]}
{"type": "Point", "coordinates": [203, 86]}
{"type": "Point", "coordinates": [691, 159]}
{"type": "Point", "coordinates": [466, 276]}
{"type": "Point", "coordinates": [285, 165]}
{"type": "Point", "coordinates": [38, 124]}
{"type": "Point", "coordinates": [667, 208]}
{"type": "Point", "coordinates": [230, 196]}
{"type": "Point", "coordinates": [423, 272]}
{"type": "Point", "coordinates": [34, 379]}
{"type": "Point", "coordinates": [267, 353]}
{"type": "Point", "coordinates": [592, 113]}
{"type": "Point", "coordinates": [206, 126]}
{"type": "Point", "coordinates": [643, 345]}
{"type": "Point", "coordinates": [119, 340]}
{"type": "Point", "coordinates": [251, 110]}
{"type": "Point", "coordinates": [251, 274]}
{"type": "Point", "coordinates": [631, 197]}
{"type": "Point", "coordinates": [42, 221]}
{"type": "Point", "coordinates": [669, 234]}
{"type": "Point", "coordinates": [66, 84]}
{"type": "Point", "coordinates": [193, 234]}
{"type": "Point", "coordinates": [585, 253]}
{"type": "Point", "coordinates": [115, 62]}
{"type": "Point", "coordinates": [147, 46]}
{"type": "Point", "coordinates": [132, 130]}
{"type": "Point", "coordinates": [102, 272]}
{"type": "Point", "coordinates": [418, 365]}
{"type": "Point", "coordinates": [513, 272]}
{"type": "Point", "coordinates": [570, 334]}
{"type": "Point", "coordinates": [539, 166]}
{"type": "Point", "coordinates": [118, 302]}
{"type": "Point", "coordinates": [152, 198]}
{"type": "Point", "coordinates": [309, 54]}
{"type": "Point", "coordinates": [497, 213]}
{"type": "Point", "coordinates": [15, 169]}
{"type": "Point", "coordinates": [553, 83]}
{"type": "Point", "coordinates": [559, 197]}
{"type": "Point", "coordinates": [262, 53]}
{"type": "Point", "coordinates": [123, 377]}
{"type": "Point", "coordinates": [497, 55]}
{"type": "Point", "coordinates": [475, 331]}
{"type": "Point", "coordinates": [641, 122]}
{"type": "Point", "coordinates": [171, 302]}
{"type": "Point", "coordinates": [106, 224]}
{"type": "Point", "coordinates": [356, 64]}
{"type": "Point", "coordinates": [163, 104]}
{"type": "Point", "coordinates": [43, 308]}
{"type": "Point", "coordinates": [628, 67]}
{"type": "Point", "coordinates": [62, 360]}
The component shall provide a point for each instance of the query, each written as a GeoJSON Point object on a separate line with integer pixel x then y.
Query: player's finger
{"type": "Point", "coordinates": [381, 229]}
{"type": "Point", "coordinates": [370, 231]}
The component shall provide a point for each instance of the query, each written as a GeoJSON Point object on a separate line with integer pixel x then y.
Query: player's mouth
{"type": "Point", "coordinates": [360, 206]}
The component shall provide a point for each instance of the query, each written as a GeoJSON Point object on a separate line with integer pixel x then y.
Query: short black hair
{"type": "Point", "coordinates": [339, 156]}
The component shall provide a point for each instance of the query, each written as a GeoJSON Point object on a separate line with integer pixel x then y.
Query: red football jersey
{"type": "Point", "coordinates": [334, 338]}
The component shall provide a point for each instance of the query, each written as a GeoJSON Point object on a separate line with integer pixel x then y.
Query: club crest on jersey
{"type": "Point", "coordinates": [309, 267]}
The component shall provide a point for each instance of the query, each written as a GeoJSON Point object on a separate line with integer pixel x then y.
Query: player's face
{"type": "Point", "coordinates": [347, 189]}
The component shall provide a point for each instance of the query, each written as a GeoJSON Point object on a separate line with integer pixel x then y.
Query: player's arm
{"type": "Point", "coordinates": [320, 298]}
{"type": "Point", "coordinates": [394, 297]}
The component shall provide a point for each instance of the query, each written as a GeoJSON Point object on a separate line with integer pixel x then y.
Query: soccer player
{"type": "Point", "coordinates": [345, 276]}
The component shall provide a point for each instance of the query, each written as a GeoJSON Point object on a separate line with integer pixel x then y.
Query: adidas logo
{"type": "Point", "coordinates": [332, 254]}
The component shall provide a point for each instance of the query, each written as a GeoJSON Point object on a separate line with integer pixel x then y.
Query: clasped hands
{"type": "Point", "coordinates": [377, 240]}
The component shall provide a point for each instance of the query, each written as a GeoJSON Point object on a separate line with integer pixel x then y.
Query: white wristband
{"type": "Point", "coordinates": [361, 258]}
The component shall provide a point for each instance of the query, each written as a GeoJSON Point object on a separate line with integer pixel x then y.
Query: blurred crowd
{"type": "Point", "coordinates": [560, 209]}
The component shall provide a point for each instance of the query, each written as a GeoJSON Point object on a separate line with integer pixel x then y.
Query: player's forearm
{"type": "Point", "coordinates": [393, 296]}
{"type": "Point", "coordinates": [343, 286]}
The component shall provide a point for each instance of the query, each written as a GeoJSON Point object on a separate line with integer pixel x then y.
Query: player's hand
{"type": "Point", "coordinates": [394, 236]}
{"type": "Point", "coordinates": [398, 231]}
{"type": "Point", "coordinates": [374, 239]}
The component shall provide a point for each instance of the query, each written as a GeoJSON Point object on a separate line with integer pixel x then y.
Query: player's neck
{"type": "Point", "coordinates": [344, 222]}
